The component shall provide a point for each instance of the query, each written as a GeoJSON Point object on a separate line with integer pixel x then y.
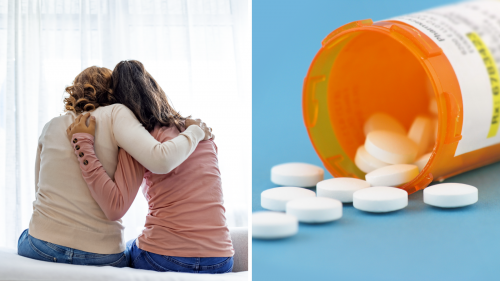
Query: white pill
{"type": "Point", "coordinates": [340, 188]}
{"type": "Point", "coordinates": [450, 195]}
{"type": "Point", "coordinates": [422, 161]}
{"type": "Point", "coordinates": [366, 162]}
{"type": "Point", "coordinates": [433, 106]}
{"type": "Point", "coordinates": [421, 133]}
{"type": "Point", "coordinates": [393, 175]}
{"type": "Point", "coordinates": [380, 199]}
{"type": "Point", "coordinates": [275, 199]}
{"type": "Point", "coordinates": [273, 225]}
{"type": "Point", "coordinates": [296, 174]}
{"type": "Point", "coordinates": [391, 147]}
{"type": "Point", "coordinates": [315, 209]}
{"type": "Point", "coordinates": [383, 122]}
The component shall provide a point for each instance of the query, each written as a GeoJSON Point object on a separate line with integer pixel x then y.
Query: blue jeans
{"type": "Point", "coordinates": [146, 260]}
{"type": "Point", "coordinates": [30, 247]}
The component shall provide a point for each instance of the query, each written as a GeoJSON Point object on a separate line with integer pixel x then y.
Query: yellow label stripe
{"type": "Point", "coordinates": [492, 70]}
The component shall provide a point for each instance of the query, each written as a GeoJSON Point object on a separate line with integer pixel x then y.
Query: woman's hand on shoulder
{"type": "Point", "coordinates": [80, 125]}
{"type": "Point", "coordinates": [202, 125]}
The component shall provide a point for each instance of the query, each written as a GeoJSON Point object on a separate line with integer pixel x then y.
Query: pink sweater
{"type": "Point", "coordinates": [186, 214]}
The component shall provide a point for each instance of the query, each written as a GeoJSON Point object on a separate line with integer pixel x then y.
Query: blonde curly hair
{"type": "Point", "coordinates": [91, 88]}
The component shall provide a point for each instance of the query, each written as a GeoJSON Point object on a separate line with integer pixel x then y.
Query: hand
{"type": "Point", "coordinates": [202, 125]}
{"type": "Point", "coordinates": [80, 125]}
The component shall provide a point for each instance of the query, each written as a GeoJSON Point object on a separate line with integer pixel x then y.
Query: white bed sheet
{"type": "Point", "coordinates": [15, 267]}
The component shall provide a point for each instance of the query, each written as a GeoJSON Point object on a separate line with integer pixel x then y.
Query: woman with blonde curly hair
{"type": "Point", "coordinates": [67, 224]}
{"type": "Point", "coordinates": [91, 88]}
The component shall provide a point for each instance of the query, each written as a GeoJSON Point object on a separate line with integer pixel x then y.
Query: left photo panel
{"type": "Point", "coordinates": [125, 139]}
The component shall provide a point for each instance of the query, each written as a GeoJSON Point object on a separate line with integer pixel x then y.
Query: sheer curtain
{"type": "Point", "coordinates": [198, 50]}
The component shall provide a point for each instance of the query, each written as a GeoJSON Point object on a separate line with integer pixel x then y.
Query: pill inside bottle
{"type": "Point", "coordinates": [420, 80]}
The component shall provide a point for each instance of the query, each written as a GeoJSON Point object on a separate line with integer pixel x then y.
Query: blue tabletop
{"type": "Point", "coordinates": [419, 242]}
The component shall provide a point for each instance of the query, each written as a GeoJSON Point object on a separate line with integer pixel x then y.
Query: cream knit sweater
{"type": "Point", "coordinates": [64, 212]}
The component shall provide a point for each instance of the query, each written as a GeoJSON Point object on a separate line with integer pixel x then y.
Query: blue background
{"type": "Point", "coordinates": [419, 242]}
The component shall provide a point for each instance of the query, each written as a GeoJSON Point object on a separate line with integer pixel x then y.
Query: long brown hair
{"type": "Point", "coordinates": [90, 89]}
{"type": "Point", "coordinates": [135, 88]}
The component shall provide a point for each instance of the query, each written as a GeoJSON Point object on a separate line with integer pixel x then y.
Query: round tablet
{"type": "Point", "coordinates": [380, 199]}
{"type": "Point", "coordinates": [422, 161]}
{"type": "Point", "coordinates": [391, 147]}
{"type": "Point", "coordinates": [315, 209]}
{"type": "Point", "coordinates": [273, 225]}
{"type": "Point", "coordinates": [275, 199]}
{"type": "Point", "coordinates": [421, 133]}
{"type": "Point", "coordinates": [392, 175]}
{"type": "Point", "coordinates": [296, 174]}
{"type": "Point", "coordinates": [450, 195]}
{"type": "Point", "coordinates": [366, 162]}
{"type": "Point", "coordinates": [340, 188]}
{"type": "Point", "coordinates": [381, 121]}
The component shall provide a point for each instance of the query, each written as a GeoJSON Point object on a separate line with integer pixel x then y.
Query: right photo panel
{"type": "Point", "coordinates": [376, 140]}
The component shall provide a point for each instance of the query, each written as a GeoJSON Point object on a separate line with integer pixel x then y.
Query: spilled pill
{"type": "Point", "coordinates": [275, 199]}
{"type": "Point", "coordinates": [391, 147]}
{"type": "Point", "coordinates": [380, 199]}
{"type": "Point", "coordinates": [296, 174]}
{"type": "Point", "coordinates": [340, 188]}
{"type": "Point", "coordinates": [393, 175]}
{"type": "Point", "coordinates": [365, 162]}
{"type": "Point", "coordinates": [273, 225]}
{"type": "Point", "coordinates": [315, 209]}
{"type": "Point", "coordinates": [383, 122]}
{"type": "Point", "coordinates": [450, 195]}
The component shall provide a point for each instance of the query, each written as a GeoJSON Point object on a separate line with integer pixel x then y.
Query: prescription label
{"type": "Point", "coordinates": [469, 35]}
{"type": "Point", "coordinates": [492, 69]}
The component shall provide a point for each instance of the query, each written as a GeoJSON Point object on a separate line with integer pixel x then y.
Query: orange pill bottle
{"type": "Point", "coordinates": [397, 66]}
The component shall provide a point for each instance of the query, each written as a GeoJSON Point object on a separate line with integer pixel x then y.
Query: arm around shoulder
{"type": "Point", "coordinates": [159, 158]}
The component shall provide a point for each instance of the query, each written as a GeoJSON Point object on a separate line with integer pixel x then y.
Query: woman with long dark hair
{"type": "Point", "coordinates": [185, 227]}
{"type": "Point", "coordinates": [67, 225]}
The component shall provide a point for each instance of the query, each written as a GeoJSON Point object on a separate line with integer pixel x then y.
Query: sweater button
{"type": "Point", "coordinates": [81, 154]}
{"type": "Point", "coordinates": [85, 162]}
{"type": "Point", "coordinates": [77, 147]}
{"type": "Point", "coordinates": [75, 140]}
